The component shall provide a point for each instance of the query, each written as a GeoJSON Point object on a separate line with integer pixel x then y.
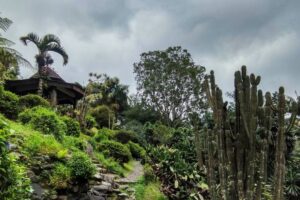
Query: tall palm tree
{"type": "Point", "coordinates": [10, 59]}
{"type": "Point", "coordinates": [45, 44]}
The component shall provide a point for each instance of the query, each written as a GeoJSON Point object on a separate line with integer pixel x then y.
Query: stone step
{"type": "Point", "coordinates": [102, 188]}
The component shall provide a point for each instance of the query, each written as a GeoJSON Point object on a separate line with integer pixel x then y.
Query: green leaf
{"type": "Point", "coordinates": [176, 184]}
{"type": "Point", "coordinates": [203, 186]}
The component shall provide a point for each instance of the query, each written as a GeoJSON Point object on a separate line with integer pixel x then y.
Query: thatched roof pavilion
{"type": "Point", "coordinates": [56, 89]}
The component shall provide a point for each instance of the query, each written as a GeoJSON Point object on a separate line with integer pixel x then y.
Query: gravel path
{"type": "Point", "coordinates": [136, 173]}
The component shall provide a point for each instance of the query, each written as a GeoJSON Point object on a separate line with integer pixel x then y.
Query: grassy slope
{"type": "Point", "coordinates": [32, 142]}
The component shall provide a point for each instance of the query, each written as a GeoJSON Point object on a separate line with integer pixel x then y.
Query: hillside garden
{"type": "Point", "coordinates": [178, 137]}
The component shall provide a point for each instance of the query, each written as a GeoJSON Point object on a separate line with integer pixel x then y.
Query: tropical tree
{"type": "Point", "coordinates": [10, 59]}
{"type": "Point", "coordinates": [46, 44]}
{"type": "Point", "coordinates": [170, 82]}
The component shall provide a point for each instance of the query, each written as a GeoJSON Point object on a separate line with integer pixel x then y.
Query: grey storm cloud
{"type": "Point", "coordinates": [107, 36]}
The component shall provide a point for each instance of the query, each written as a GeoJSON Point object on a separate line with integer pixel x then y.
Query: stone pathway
{"type": "Point", "coordinates": [133, 177]}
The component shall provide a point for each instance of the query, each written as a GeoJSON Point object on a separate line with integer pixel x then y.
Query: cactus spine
{"type": "Point", "coordinates": [242, 143]}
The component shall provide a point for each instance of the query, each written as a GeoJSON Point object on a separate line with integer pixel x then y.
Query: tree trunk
{"type": "Point", "coordinates": [40, 87]}
{"type": "Point", "coordinates": [53, 97]}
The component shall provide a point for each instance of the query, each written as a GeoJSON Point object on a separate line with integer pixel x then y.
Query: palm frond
{"type": "Point", "coordinates": [8, 55]}
{"type": "Point", "coordinates": [31, 37]}
{"type": "Point", "coordinates": [5, 23]}
{"type": "Point", "coordinates": [5, 42]}
{"type": "Point", "coordinates": [49, 39]}
{"type": "Point", "coordinates": [60, 50]}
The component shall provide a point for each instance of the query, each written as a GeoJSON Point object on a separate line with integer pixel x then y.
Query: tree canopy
{"type": "Point", "coordinates": [170, 81]}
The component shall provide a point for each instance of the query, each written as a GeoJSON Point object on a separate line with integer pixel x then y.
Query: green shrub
{"type": "Point", "coordinates": [74, 143]}
{"type": "Point", "coordinates": [91, 132]}
{"type": "Point", "coordinates": [72, 126]}
{"type": "Point", "coordinates": [103, 134]}
{"type": "Point", "coordinates": [124, 136]}
{"type": "Point", "coordinates": [61, 175]}
{"type": "Point", "coordinates": [32, 100]}
{"type": "Point", "coordinates": [44, 120]}
{"type": "Point", "coordinates": [136, 150]}
{"type": "Point", "coordinates": [110, 164]}
{"type": "Point", "coordinates": [149, 173]}
{"type": "Point", "coordinates": [90, 122]}
{"type": "Point", "coordinates": [81, 167]}
{"type": "Point", "coordinates": [17, 186]}
{"type": "Point", "coordinates": [158, 133]}
{"type": "Point", "coordinates": [116, 150]}
{"type": "Point", "coordinates": [138, 128]}
{"type": "Point", "coordinates": [103, 115]}
{"type": "Point", "coordinates": [9, 104]}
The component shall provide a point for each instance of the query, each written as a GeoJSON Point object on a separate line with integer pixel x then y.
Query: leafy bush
{"type": "Point", "coordinates": [60, 177]}
{"type": "Point", "coordinates": [158, 133]}
{"type": "Point", "coordinates": [74, 143]}
{"type": "Point", "coordinates": [81, 167]}
{"type": "Point", "coordinates": [141, 113]}
{"type": "Point", "coordinates": [90, 122]}
{"type": "Point", "coordinates": [91, 132]}
{"type": "Point", "coordinates": [116, 150]}
{"type": "Point", "coordinates": [138, 128]}
{"type": "Point", "coordinates": [44, 120]}
{"type": "Point", "coordinates": [32, 100]}
{"type": "Point", "coordinates": [136, 150]}
{"type": "Point", "coordinates": [110, 164]}
{"type": "Point", "coordinates": [124, 136]}
{"type": "Point", "coordinates": [62, 154]}
{"type": "Point", "coordinates": [9, 104]}
{"type": "Point", "coordinates": [177, 171]}
{"type": "Point", "coordinates": [103, 134]}
{"type": "Point", "coordinates": [148, 173]}
{"type": "Point", "coordinates": [72, 126]}
{"type": "Point", "coordinates": [103, 115]}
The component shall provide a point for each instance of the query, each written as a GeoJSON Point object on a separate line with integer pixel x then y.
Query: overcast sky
{"type": "Point", "coordinates": [107, 36]}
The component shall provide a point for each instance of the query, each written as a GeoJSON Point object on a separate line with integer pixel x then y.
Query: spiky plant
{"type": "Point", "coordinates": [237, 148]}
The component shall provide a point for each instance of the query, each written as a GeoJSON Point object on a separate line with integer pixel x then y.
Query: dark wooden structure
{"type": "Point", "coordinates": [55, 88]}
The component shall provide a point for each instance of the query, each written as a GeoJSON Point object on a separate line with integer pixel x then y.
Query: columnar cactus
{"type": "Point", "coordinates": [242, 143]}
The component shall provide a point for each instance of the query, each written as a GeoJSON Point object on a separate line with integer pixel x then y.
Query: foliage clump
{"type": "Point", "coordinates": [61, 175]}
{"type": "Point", "coordinates": [116, 150]}
{"type": "Point", "coordinates": [136, 150]}
{"type": "Point", "coordinates": [81, 167]}
{"type": "Point", "coordinates": [72, 126]}
{"type": "Point", "coordinates": [103, 115]}
{"type": "Point", "coordinates": [44, 120]}
{"type": "Point", "coordinates": [124, 136]}
{"type": "Point", "coordinates": [14, 182]}
{"type": "Point", "coordinates": [90, 122]}
{"type": "Point", "coordinates": [32, 100]}
{"type": "Point", "coordinates": [158, 133]}
{"type": "Point", "coordinates": [9, 103]}
{"type": "Point", "coordinates": [149, 173]}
